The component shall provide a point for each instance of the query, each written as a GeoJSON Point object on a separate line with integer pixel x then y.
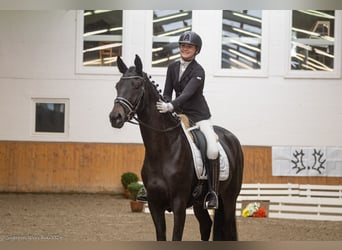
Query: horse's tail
{"type": "Point", "coordinates": [225, 222]}
{"type": "Point", "coordinates": [225, 219]}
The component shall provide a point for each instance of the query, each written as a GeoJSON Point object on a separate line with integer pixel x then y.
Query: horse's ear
{"type": "Point", "coordinates": [138, 65]}
{"type": "Point", "coordinates": [121, 65]}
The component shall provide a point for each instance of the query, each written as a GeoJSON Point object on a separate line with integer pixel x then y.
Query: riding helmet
{"type": "Point", "coordinates": [190, 37]}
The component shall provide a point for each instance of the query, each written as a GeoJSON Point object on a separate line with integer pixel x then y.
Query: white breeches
{"type": "Point", "coordinates": [211, 137]}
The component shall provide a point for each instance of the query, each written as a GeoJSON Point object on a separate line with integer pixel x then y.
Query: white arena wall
{"type": "Point", "coordinates": [39, 59]}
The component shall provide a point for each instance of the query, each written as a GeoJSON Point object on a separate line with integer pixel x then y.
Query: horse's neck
{"type": "Point", "coordinates": [154, 123]}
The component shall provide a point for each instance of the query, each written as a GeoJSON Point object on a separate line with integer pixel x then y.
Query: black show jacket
{"type": "Point", "coordinates": [189, 91]}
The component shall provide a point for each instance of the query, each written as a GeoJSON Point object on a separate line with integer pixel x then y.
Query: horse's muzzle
{"type": "Point", "coordinates": [117, 117]}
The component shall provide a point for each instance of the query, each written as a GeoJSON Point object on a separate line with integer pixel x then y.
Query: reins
{"type": "Point", "coordinates": [140, 122]}
{"type": "Point", "coordinates": [133, 109]}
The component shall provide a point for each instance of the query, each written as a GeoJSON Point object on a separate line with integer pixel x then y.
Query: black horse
{"type": "Point", "coordinates": [168, 169]}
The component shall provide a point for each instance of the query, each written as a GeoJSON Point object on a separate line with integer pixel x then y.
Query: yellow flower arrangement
{"type": "Point", "coordinates": [254, 210]}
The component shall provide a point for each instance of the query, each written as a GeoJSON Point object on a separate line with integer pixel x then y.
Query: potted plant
{"type": "Point", "coordinates": [126, 179]}
{"type": "Point", "coordinates": [134, 188]}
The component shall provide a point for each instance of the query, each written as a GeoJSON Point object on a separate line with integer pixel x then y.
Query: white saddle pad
{"type": "Point", "coordinates": [198, 162]}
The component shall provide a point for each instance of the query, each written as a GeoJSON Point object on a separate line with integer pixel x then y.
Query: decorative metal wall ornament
{"type": "Point", "coordinates": [318, 164]}
{"type": "Point", "coordinates": [307, 161]}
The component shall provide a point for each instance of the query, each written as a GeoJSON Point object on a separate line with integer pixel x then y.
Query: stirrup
{"type": "Point", "coordinates": [211, 201]}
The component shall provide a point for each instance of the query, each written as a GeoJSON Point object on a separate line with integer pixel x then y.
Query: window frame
{"type": "Point", "coordinates": [173, 39]}
{"type": "Point", "coordinates": [106, 70]}
{"type": "Point", "coordinates": [336, 73]}
{"type": "Point", "coordinates": [157, 71]}
{"type": "Point", "coordinates": [263, 71]}
{"type": "Point", "coordinates": [65, 101]}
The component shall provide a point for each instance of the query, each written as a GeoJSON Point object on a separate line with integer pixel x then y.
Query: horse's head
{"type": "Point", "coordinates": [130, 90]}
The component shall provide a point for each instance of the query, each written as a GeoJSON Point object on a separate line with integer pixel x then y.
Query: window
{"type": "Point", "coordinates": [313, 44]}
{"type": "Point", "coordinates": [50, 116]}
{"type": "Point", "coordinates": [241, 39]}
{"type": "Point", "coordinates": [102, 37]}
{"type": "Point", "coordinates": [167, 27]}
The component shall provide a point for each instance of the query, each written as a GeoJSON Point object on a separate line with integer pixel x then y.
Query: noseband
{"type": "Point", "coordinates": [126, 103]}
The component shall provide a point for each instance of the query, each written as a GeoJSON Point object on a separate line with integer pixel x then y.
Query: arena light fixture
{"type": "Point", "coordinates": [246, 32]}
{"type": "Point", "coordinates": [96, 32]}
{"type": "Point", "coordinates": [317, 13]}
{"type": "Point", "coordinates": [247, 17]}
{"type": "Point", "coordinates": [107, 46]}
{"type": "Point", "coordinates": [243, 56]}
{"type": "Point", "coordinates": [170, 17]}
{"type": "Point", "coordinates": [174, 31]}
{"type": "Point", "coordinates": [245, 45]}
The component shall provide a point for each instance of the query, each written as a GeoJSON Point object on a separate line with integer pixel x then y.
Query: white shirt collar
{"type": "Point", "coordinates": [185, 63]}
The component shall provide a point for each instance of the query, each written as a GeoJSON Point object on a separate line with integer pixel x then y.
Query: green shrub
{"type": "Point", "coordinates": [128, 178]}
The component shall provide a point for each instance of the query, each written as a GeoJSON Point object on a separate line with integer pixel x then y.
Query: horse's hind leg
{"type": "Point", "coordinates": [204, 220]}
{"type": "Point", "coordinates": [225, 222]}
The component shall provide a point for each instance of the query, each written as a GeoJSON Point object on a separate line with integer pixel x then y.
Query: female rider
{"type": "Point", "coordinates": [186, 78]}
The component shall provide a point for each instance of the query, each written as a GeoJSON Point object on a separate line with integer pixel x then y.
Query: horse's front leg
{"type": "Point", "coordinates": [158, 217]}
{"type": "Point", "coordinates": [204, 220]}
{"type": "Point", "coordinates": [179, 214]}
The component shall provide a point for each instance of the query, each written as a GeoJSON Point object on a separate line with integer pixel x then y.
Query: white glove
{"type": "Point", "coordinates": [164, 107]}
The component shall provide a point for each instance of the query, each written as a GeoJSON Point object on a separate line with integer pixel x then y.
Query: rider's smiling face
{"type": "Point", "coordinates": [188, 51]}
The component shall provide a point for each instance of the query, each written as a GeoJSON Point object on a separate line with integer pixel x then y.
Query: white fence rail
{"type": "Point", "coordinates": [292, 201]}
{"type": "Point", "coordinates": [295, 201]}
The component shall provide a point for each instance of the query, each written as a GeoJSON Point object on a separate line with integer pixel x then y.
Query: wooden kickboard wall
{"type": "Point", "coordinates": [97, 167]}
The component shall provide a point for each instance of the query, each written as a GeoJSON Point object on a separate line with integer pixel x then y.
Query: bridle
{"type": "Point", "coordinates": [126, 103]}
{"type": "Point", "coordinates": [132, 110]}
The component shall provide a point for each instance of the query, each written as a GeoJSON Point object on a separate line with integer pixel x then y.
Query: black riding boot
{"type": "Point", "coordinates": [211, 199]}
